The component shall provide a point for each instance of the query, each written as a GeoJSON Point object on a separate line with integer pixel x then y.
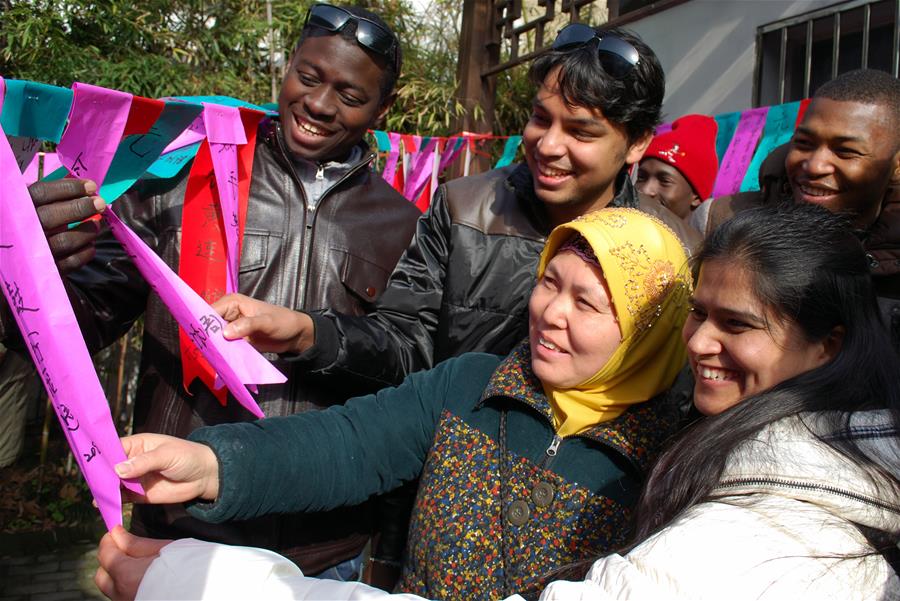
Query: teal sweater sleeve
{"type": "Point", "coordinates": [321, 460]}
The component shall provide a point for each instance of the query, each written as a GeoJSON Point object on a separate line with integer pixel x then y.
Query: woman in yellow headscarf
{"type": "Point", "coordinates": [527, 463]}
{"type": "Point", "coordinates": [644, 283]}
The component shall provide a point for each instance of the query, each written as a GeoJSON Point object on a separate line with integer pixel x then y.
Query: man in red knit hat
{"type": "Point", "coordinates": [680, 166]}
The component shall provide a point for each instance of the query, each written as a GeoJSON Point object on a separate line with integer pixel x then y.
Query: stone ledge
{"type": "Point", "coordinates": [14, 545]}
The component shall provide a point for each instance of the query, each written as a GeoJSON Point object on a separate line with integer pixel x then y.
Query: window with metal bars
{"type": "Point", "coordinates": [795, 56]}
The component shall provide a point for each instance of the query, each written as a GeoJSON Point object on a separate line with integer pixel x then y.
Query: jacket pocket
{"type": "Point", "coordinates": [364, 278]}
{"type": "Point", "coordinates": [254, 250]}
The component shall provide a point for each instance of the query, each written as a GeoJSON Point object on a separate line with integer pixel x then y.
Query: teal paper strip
{"type": "Point", "coordinates": [509, 151]}
{"type": "Point", "coordinates": [779, 129]}
{"type": "Point", "coordinates": [171, 163]}
{"type": "Point", "coordinates": [138, 152]}
{"type": "Point", "coordinates": [60, 173]}
{"type": "Point", "coordinates": [35, 110]}
{"type": "Point", "coordinates": [226, 101]}
{"type": "Point", "coordinates": [383, 140]}
{"type": "Point", "coordinates": [727, 123]}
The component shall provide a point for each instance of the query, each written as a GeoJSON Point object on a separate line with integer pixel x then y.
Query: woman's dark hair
{"type": "Point", "coordinates": [633, 102]}
{"type": "Point", "coordinates": [392, 62]}
{"type": "Point", "coordinates": [808, 269]}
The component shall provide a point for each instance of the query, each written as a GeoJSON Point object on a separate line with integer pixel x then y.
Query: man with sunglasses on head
{"type": "Point", "coordinates": [463, 284]}
{"type": "Point", "coordinates": [322, 231]}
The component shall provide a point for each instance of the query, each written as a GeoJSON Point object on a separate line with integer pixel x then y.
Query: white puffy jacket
{"type": "Point", "coordinates": [778, 526]}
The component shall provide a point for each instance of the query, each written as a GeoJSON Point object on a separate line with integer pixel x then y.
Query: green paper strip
{"type": "Point", "coordinates": [60, 173]}
{"type": "Point", "coordinates": [35, 110]}
{"type": "Point", "coordinates": [383, 140]}
{"type": "Point", "coordinates": [226, 101]}
{"type": "Point", "coordinates": [509, 151]}
{"type": "Point", "coordinates": [138, 152]}
{"type": "Point", "coordinates": [779, 128]}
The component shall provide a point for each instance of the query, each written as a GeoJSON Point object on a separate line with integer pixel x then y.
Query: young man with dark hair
{"type": "Point", "coordinates": [845, 156]}
{"type": "Point", "coordinates": [322, 230]}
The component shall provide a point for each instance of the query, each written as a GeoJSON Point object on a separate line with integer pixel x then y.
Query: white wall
{"type": "Point", "coordinates": [708, 50]}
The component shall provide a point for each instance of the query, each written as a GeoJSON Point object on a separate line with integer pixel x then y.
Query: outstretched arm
{"type": "Point", "coordinates": [398, 338]}
{"type": "Point", "coordinates": [133, 567]}
{"type": "Point", "coordinates": [171, 470]}
{"type": "Point", "coordinates": [269, 328]}
{"type": "Point", "coordinates": [374, 350]}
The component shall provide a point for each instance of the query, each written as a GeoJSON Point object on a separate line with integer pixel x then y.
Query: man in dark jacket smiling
{"type": "Point", "coordinates": [845, 156]}
{"type": "Point", "coordinates": [322, 231]}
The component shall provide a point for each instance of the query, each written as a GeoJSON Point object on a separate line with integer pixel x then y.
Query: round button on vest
{"type": "Point", "coordinates": [371, 291]}
{"type": "Point", "coordinates": [518, 513]}
{"type": "Point", "coordinates": [542, 494]}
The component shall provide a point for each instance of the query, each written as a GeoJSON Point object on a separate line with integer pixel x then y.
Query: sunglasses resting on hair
{"type": "Point", "coordinates": [369, 34]}
{"type": "Point", "coordinates": [617, 57]}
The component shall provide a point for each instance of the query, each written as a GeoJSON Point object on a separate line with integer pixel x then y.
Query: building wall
{"type": "Point", "coordinates": [708, 50]}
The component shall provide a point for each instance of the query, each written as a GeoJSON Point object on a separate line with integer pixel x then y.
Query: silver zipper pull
{"type": "Point", "coordinates": [554, 445]}
{"type": "Point", "coordinates": [320, 172]}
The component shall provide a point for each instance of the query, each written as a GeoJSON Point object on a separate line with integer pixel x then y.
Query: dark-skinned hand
{"type": "Point", "coordinates": [60, 203]}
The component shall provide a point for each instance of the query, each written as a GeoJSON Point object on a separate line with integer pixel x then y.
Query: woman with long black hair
{"type": "Point", "coordinates": [789, 487]}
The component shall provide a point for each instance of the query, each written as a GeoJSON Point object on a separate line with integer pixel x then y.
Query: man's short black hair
{"type": "Point", "coordinates": [633, 102]}
{"type": "Point", "coordinates": [866, 86]}
{"type": "Point", "coordinates": [392, 62]}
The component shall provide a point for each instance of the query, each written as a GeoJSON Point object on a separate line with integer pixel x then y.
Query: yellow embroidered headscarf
{"type": "Point", "coordinates": [646, 270]}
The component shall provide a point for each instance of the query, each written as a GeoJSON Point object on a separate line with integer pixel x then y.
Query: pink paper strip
{"type": "Point", "coordinates": [236, 362]}
{"type": "Point", "coordinates": [421, 166]}
{"type": "Point", "coordinates": [740, 152]}
{"type": "Point", "coordinates": [223, 124]}
{"type": "Point", "coordinates": [96, 124]}
{"type": "Point", "coordinates": [225, 131]}
{"type": "Point", "coordinates": [196, 132]}
{"type": "Point", "coordinates": [38, 301]}
{"type": "Point", "coordinates": [390, 165]}
{"type": "Point", "coordinates": [450, 154]}
{"type": "Point", "coordinates": [51, 163]}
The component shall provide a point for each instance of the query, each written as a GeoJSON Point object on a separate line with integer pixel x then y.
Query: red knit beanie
{"type": "Point", "coordinates": [690, 147]}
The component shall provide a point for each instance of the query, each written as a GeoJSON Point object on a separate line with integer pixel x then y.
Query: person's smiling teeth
{"type": "Point", "coordinates": [553, 172]}
{"type": "Point", "coordinates": [815, 191]}
{"type": "Point", "coordinates": [310, 128]}
{"type": "Point", "coordinates": [547, 344]}
{"type": "Point", "coordinates": [711, 373]}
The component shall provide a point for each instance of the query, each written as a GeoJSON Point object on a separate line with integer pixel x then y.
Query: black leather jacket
{"type": "Point", "coordinates": [463, 285]}
{"type": "Point", "coordinates": [338, 254]}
